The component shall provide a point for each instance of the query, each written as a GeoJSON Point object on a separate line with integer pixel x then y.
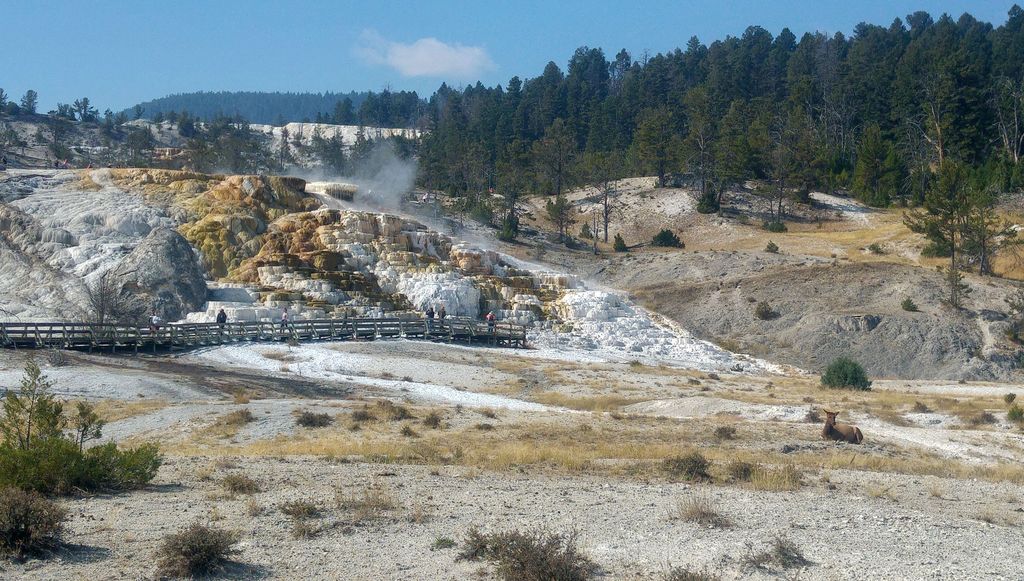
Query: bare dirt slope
{"type": "Point", "coordinates": [835, 285]}
{"type": "Point", "coordinates": [825, 309]}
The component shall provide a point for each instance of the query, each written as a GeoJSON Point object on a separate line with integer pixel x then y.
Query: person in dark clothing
{"type": "Point", "coordinates": [222, 318]}
{"type": "Point", "coordinates": [430, 319]}
{"type": "Point", "coordinates": [490, 322]}
{"type": "Point", "coordinates": [441, 314]}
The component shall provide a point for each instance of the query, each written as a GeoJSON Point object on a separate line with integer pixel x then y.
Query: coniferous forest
{"type": "Point", "coordinates": [878, 113]}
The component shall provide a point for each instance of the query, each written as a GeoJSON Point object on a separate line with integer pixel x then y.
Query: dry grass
{"type": "Point", "coordinates": [594, 403]}
{"type": "Point", "coordinates": [282, 356]}
{"type": "Point", "coordinates": [783, 479]}
{"type": "Point", "coordinates": [701, 510]}
{"type": "Point", "coordinates": [239, 484]}
{"type": "Point", "coordinates": [237, 418]}
{"type": "Point", "coordinates": [881, 492]}
{"type": "Point", "coordinates": [300, 509]}
{"type": "Point", "coordinates": [112, 410]}
{"type": "Point", "coordinates": [636, 447]}
{"type": "Point", "coordinates": [373, 502]}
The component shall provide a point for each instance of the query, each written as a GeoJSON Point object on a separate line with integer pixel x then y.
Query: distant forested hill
{"type": "Point", "coordinates": [387, 108]}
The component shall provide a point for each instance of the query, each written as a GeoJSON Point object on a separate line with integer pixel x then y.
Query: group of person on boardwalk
{"type": "Point", "coordinates": [441, 314]}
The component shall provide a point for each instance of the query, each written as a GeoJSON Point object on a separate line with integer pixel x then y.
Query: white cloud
{"type": "Point", "coordinates": [427, 57]}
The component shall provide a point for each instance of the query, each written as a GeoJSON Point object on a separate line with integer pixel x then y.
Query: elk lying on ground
{"type": "Point", "coordinates": [841, 432]}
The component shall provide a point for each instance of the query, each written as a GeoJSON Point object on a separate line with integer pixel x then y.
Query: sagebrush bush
{"type": "Point", "coordinates": [394, 412]}
{"type": "Point", "coordinates": [845, 373]}
{"type": "Point", "coordinates": [237, 418]}
{"type": "Point", "coordinates": [196, 551]}
{"type": "Point", "coordinates": [1009, 398]}
{"type": "Point", "coordinates": [909, 305]}
{"type": "Point", "coordinates": [536, 556]}
{"type": "Point", "coordinates": [308, 419]}
{"type": "Point", "coordinates": [363, 415]}
{"type": "Point", "coordinates": [703, 511]}
{"type": "Point", "coordinates": [775, 226]}
{"type": "Point", "coordinates": [300, 509]}
{"type": "Point", "coordinates": [876, 248]}
{"type": "Point", "coordinates": [764, 311]}
{"type": "Point", "coordinates": [771, 247]}
{"type": "Point", "coordinates": [741, 471]}
{"type": "Point", "coordinates": [619, 245]}
{"type": "Point", "coordinates": [687, 574]}
{"type": "Point", "coordinates": [667, 238]}
{"type": "Point", "coordinates": [433, 420]}
{"type": "Point", "coordinates": [29, 523]}
{"type": "Point", "coordinates": [237, 483]}
{"type": "Point", "coordinates": [1015, 413]}
{"type": "Point", "coordinates": [692, 466]}
{"type": "Point", "coordinates": [725, 432]}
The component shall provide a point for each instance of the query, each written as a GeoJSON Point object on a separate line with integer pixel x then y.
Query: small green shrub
{"type": "Point", "coordinates": [909, 305]}
{"type": "Point", "coordinates": [29, 523]}
{"type": "Point", "coordinates": [585, 232]}
{"type": "Point", "coordinates": [308, 419]}
{"type": "Point", "coordinates": [692, 467]}
{"type": "Point", "coordinates": [37, 453]}
{"type": "Point", "coordinates": [1009, 398]}
{"type": "Point", "coordinates": [876, 248]}
{"type": "Point", "coordinates": [764, 311]}
{"type": "Point", "coordinates": [619, 245]}
{"type": "Point", "coordinates": [772, 247]}
{"type": "Point", "coordinates": [667, 238]}
{"type": "Point", "coordinates": [740, 471]}
{"type": "Point", "coordinates": [775, 226]}
{"type": "Point", "coordinates": [1015, 413]}
{"type": "Point", "coordinates": [408, 432]}
{"type": "Point", "coordinates": [521, 556]}
{"type": "Point", "coordinates": [442, 543]}
{"type": "Point", "coordinates": [196, 551]}
{"type": "Point", "coordinates": [845, 373]}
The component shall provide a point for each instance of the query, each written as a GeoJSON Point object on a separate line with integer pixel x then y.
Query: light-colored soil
{"type": "Point", "coordinates": [925, 497]}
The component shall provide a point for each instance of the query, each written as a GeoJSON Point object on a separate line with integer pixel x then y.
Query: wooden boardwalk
{"type": "Point", "coordinates": [107, 337]}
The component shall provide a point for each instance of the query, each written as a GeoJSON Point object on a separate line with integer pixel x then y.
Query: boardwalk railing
{"type": "Point", "coordinates": [190, 335]}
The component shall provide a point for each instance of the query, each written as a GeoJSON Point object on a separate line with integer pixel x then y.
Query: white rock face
{"type": "Point", "coordinates": [91, 231]}
{"type": "Point", "coordinates": [456, 293]}
{"type": "Point", "coordinates": [610, 326]}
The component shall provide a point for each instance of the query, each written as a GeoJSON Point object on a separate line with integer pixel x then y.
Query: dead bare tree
{"type": "Point", "coordinates": [108, 302]}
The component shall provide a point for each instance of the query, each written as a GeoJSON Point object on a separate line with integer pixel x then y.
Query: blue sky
{"type": "Point", "coordinates": [118, 53]}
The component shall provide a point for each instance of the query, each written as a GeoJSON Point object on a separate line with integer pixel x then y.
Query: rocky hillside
{"type": "Point", "coordinates": [834, 285]}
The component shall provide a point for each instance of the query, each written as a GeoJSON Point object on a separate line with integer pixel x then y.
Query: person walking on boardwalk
{"type": "Point", "coordinates": [222, 318]}
{"type": "Point", "coordinates": [154, 322]}
{"type": "Point", "coordinates": [441, 315]}
{"type": "Point", "coordinates": [430, 319]}
{"type": "Point", "coordinates": [490, 322]}
{"type": "Point", "coordinates": [284, 319]}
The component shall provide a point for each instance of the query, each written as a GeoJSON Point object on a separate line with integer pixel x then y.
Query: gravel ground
{"type": "Point", "coordinates": [625, 527]}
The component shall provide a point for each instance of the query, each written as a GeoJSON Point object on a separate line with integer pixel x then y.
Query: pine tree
{"type": "Point", "coordinates": [946, 211]}
{"type": "Point", "coordinates": [559, 211]}
{"type": "Point", "coordinates": [655, 141]}
{"type": "Point", "coordinates": [29, 102]}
